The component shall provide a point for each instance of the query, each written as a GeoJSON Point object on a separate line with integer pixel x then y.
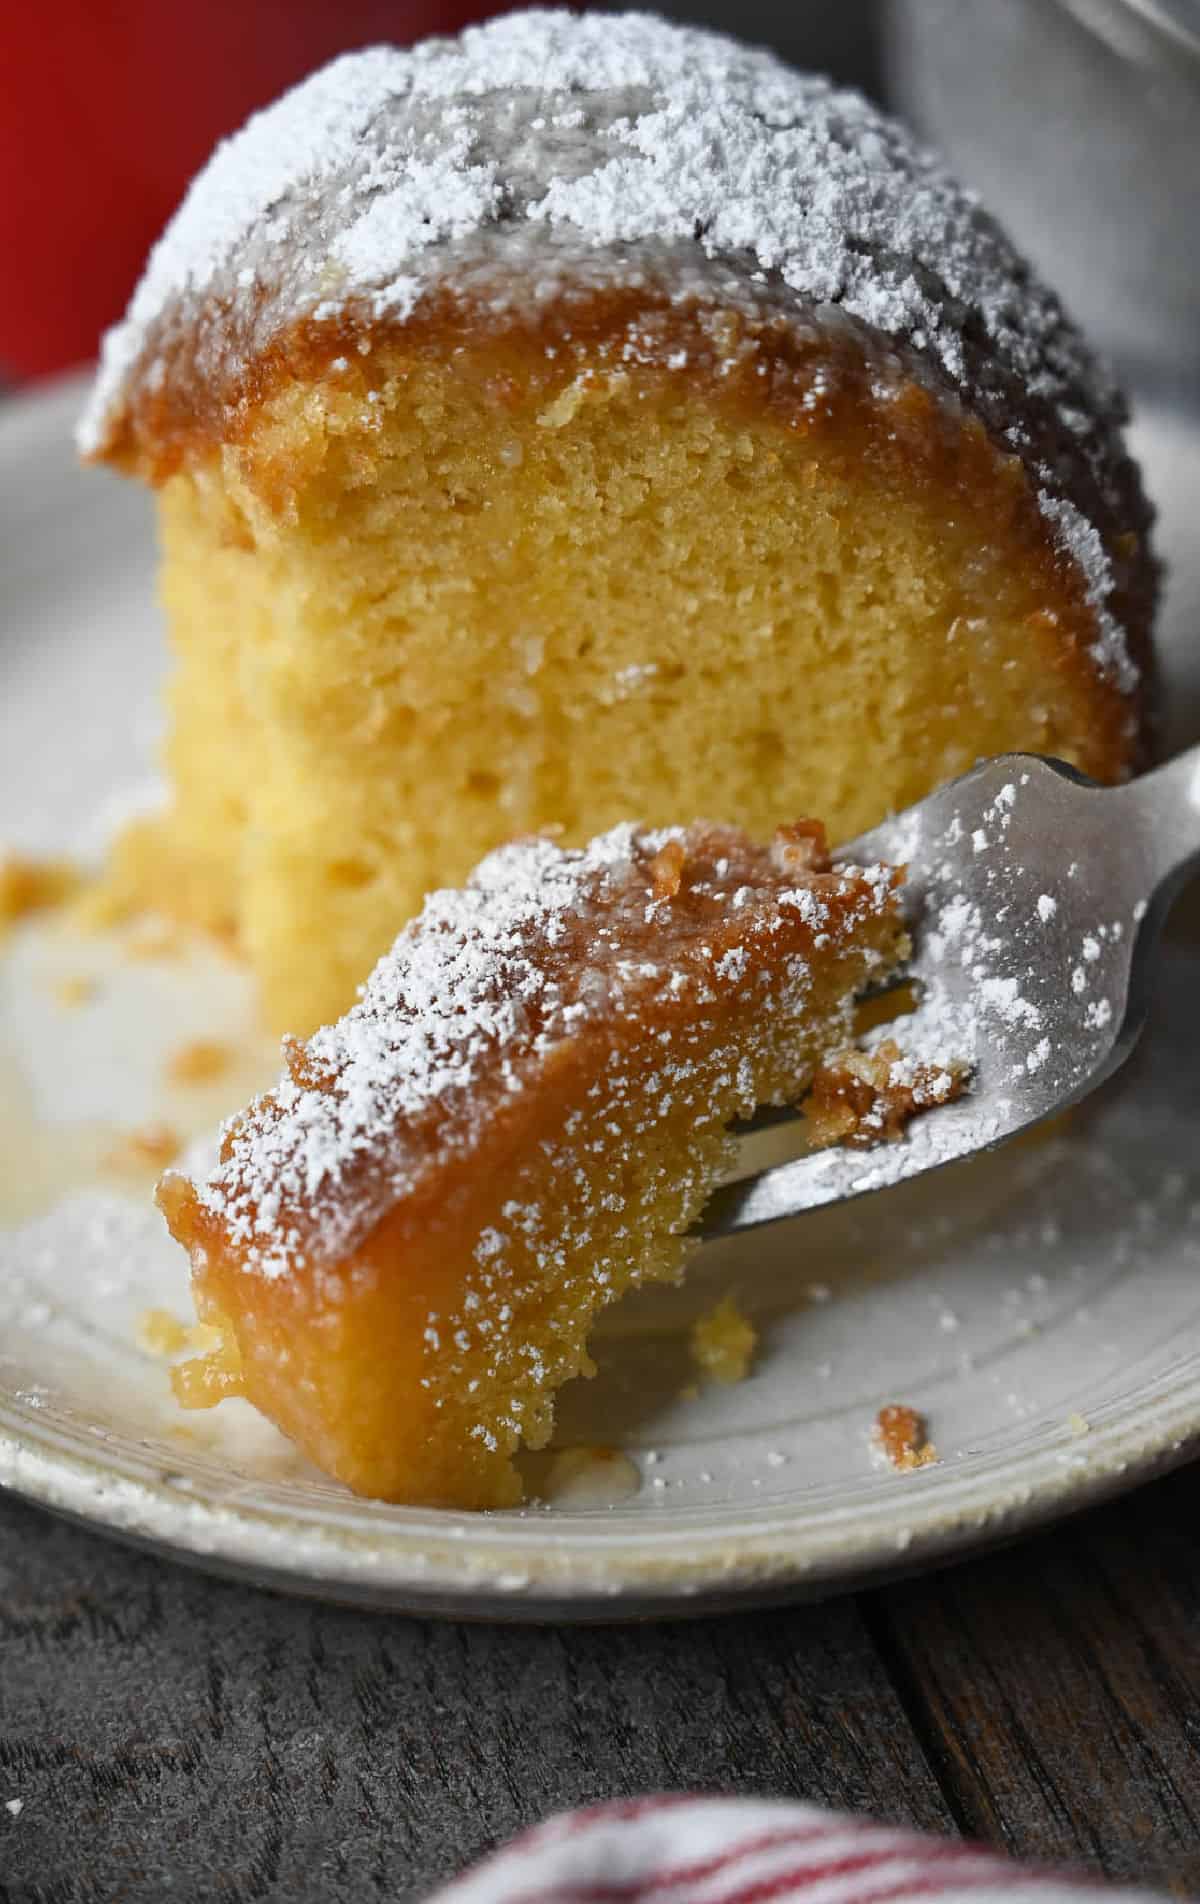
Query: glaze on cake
{"type": "Point", "coordinates": [591, 415]}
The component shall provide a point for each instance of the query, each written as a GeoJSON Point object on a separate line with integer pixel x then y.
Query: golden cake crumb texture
{"type": "Point", "coordinates": [143, 1151]}
{"type": "Point", "coordinates": [723, 1342]}
{"type": "Point", "coordinates": [901, 1435]}
{"type": "Point", "coordinates": [201, 1061]}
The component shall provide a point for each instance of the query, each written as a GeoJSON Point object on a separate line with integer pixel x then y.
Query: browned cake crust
{"type": "Point", "coordinates": [901, 1437]}
{"type": "Point", "coordinates": [549, 196]}
{"type": "Point", "coordinates": [863, 1098]}
{"type": "Point", "coordinates": [833, 383]}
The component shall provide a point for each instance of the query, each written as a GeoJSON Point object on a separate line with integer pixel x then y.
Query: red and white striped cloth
{"type": "Point", "coordinates": [682, 1850]}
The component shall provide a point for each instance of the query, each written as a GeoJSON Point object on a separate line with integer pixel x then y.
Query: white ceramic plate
{"type": "Point", "coordinates": [1041, 1307]}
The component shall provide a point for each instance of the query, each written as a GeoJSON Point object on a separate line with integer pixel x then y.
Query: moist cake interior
{"type": "Point", "coordinates": [432, 605]}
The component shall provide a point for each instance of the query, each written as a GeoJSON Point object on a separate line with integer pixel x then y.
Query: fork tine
{"type": "Point", "coordinates": [1030, 891]}
{"type": "Point", "coordinates": [835, 1175]}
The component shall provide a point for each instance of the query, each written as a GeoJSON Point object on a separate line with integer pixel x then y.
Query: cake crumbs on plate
{"type": "Point", "coordinates": [901, 1436]}
{"type": "Point", "coordinates": [160, 1332]}
{"type": "Point", "coordinates": [147, 1149]}
{"type": "Point", "coordinates": [153, 937]}
{"type": "Point", "coordinates": [96, 908]}
{"type": "Point", "coordinates": [201, 1061]}
{"type": "Point", "coordinates": [76, 989]}
{"type": "Point", "coordinates": [1078, 1424]}
{"type": "Point", "coordinates": [723, 1342]}
{"type": "Point", "coordinates": [29, 884]}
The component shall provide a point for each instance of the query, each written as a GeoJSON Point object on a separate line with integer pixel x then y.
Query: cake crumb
{"type": "Point", "coordinates": [149, 1148]}
{"type": "Point", "coordinates": [901, 1435]}
{"type": "Point", "coordinates": [666, 869]}
{"type": "Point", "coordinates": [75, 990]}
{"type": "Point", "coordinates": [723, 1342]}
{"type": "Point", "coordinates": [34, 885]}
{"type": "Point", "coordinates": [199, 1062]}
{"type": "Point", "coordinates": [212, 1375]}
{"type": "Point", "coordinates": [860, 1098]}
{"type": "Point", "coordinates": [161, 1333]}
{"type": "Point", "coordinates": [99, 907]}
{"type": "Point", "coordinates": [800, 847]}
{"type": "Point", "coordinates": [1078, 1424]}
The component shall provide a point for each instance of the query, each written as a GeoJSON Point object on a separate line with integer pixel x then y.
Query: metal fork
{"type": "Point", "coordinates": [1035, 899]}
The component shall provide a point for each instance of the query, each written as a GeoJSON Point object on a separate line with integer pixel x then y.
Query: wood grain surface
{"type": "Point", "coordinates": [175, 1736]}
{"type": "Point", "coordinates": [1056, 1688]}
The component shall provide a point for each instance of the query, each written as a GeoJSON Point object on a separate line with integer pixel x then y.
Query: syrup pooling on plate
{"type": "Point", "coordinates": [103, 1077]}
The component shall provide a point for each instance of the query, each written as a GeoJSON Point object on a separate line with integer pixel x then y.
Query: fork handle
{"type": "Point", "coordinates": [1164, 807]}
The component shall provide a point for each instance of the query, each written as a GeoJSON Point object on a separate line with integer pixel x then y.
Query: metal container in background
{"type": "Point", "coordinates": [1078, 121]}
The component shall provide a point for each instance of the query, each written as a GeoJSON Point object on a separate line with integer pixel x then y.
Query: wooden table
{"type": "Point", "coordinates": [172, 1736]}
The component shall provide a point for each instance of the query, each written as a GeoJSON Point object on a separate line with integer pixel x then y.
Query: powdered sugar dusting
{"type": "Point", "coordinates": [671, 134]}
{"type": "Point", "coordinates": [1025, 986]}
{"type": "Point", "coordinates": [1080, 540]}
{"type": "Point", "coordinates": [490, 983]}
{"type": "Point", "coordinates": [547, 146]}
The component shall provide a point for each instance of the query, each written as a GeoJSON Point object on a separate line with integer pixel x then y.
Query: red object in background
{"type": "Point", "coordinates": [106, 112]}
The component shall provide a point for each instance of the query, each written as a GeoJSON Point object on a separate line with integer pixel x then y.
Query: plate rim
{"type": "Point", "coordinates": [533, 1570]}
{"type": "Point", "coordinates": [528, 1570]}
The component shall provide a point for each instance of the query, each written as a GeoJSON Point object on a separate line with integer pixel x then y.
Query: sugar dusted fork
{"type": "Point", "coordinates": [1035, 899]}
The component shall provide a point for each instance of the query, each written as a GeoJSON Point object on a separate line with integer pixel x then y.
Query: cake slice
{"type": "Point", "coordinates": [405, 1244]}
{"type": "Point", "coordinates": [589, 415]}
